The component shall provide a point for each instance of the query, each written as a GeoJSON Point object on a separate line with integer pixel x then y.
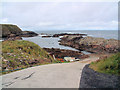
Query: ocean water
{"type": "Point", "coordinates": [53, 42]}
{"type": "Point", "coordinates": [107, 34]}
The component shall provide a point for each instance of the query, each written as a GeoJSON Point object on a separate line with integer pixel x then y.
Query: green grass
{"type": "Point", "coordinates": [19, 54]}
{"type": "Point", "coordinates": [110, 65]}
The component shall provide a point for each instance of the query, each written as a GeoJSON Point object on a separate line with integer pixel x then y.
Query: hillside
{"type": "Point", "coordinates": [8, 29]}
{"type": "Point", "coordinates": [110, 65]}
{"type": "Point", "coordinates": [23, 54]}
{"type": "Point", "coordinates": [13, 31]}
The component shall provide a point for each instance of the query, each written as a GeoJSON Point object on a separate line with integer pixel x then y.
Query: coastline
{"type": "Point", "coordinates": [66, 59]}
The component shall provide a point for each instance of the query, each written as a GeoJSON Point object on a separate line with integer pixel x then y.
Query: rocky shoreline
{"type": "Point", "coordinates": [81, 42]}
{"type": "Point", "coordinates": [63, 34]}
{"type": "Point", "coordinates": [61, 53]}
{"type": "Point", "coordinates": [90, 44]}
{"type": "Point", "coordinates": [13, 32]}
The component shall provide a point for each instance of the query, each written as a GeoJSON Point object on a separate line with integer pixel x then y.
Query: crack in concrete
{"type": "Point", "coordinates": [8, 84]}
{"type": "Point", "coordinates": [16, 77]}
{"type": "Point", "coordinates": [28, 76]}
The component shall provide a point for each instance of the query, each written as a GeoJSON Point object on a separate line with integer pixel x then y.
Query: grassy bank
{"type": "Point", "coordinates": [23, 54]}
{"type": "Point", "coordinates": [110, 65]}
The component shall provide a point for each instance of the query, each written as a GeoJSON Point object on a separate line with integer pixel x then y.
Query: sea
{"type": "Point", "coordinates": [53, 42]}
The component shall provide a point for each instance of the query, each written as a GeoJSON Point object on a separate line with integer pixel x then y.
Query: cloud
{"type": "Point", "coordinates": [4, 20]}
{"type": "Point", "coordinates": [45, 24]}
{"type": "Point", "coordinates": [60, 0]}
{"type": "Point", "coordinates": [112, 25]}
{"type": "Point", "coordinates": [61, 15]}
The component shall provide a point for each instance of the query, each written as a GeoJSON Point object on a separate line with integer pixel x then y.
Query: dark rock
{"type": "Point", "coordinates": [61, 53]}
{"type": "Point", "coordinates": [63, 34]}
{"type": "Point", "coordinates": [46, 36]}
{"type": "Point", "coordinates": [93, 79]}
{"type": "Point", "coordinates": [28, 34]}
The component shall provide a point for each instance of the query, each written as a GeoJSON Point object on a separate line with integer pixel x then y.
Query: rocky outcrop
{"type": "Point", "coordinates": [13, 38]}
{"type": "Point", "coordinates": [93, 79]}
{"type": "Point", "coordinates": [62, 34]}
{"type": "Point", "coordinates": [13, 32]}
{"type": "Point", "coordinates": [7, 29]}
{"type": "Point", "coordinates": [61, 53]}
{"type": "Point", "coordinates": [28, 34]}
{"type": "Point", "coordinates": [91, 44]}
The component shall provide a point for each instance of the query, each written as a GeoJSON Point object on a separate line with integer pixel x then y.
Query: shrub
{"type": "Point", "coordinates": [110, 65]}
{"type": "Point", "coordinates": [21, 53]}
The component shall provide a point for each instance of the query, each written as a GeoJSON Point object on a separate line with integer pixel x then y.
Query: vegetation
{"type": "Point", "coordinates": [8, 29]}
{"type": "Point", "coordinates": [23, 54]}
{"type": "Point", "coordinates": [110, 65]}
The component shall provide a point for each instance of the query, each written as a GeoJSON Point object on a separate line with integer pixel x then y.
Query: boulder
{"type": "Point", "coordinates": [12, 35]}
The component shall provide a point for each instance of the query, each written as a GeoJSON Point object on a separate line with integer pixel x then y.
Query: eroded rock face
{"type": "Point", "coordinates": [14, 38]}
{"type": "Point", "coordinates": [28, 34]}
{"type": "Point", "coordinates": [13, 32]}
{"type": "Point", "coordinates": [91, 44]}
{"type": "Point", "coordinates": [7, 29]}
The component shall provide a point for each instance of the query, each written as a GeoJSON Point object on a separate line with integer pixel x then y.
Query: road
{"type": "Point", "coordinates": [65, 75]}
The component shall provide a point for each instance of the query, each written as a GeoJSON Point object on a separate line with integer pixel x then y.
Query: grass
{"type": "Point", "coordinates": [110, 65]}
{"type": "Point", "coordinates": [23, 54]}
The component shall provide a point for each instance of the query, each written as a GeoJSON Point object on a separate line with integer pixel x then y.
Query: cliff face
{"type": "Point", "coordinates": [12, 31]}
{"type": "Point", "coordinates": [7, 29]}
{"type": "Point", "coordinates": [28, 34]}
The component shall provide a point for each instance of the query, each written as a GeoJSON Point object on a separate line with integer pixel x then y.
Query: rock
{"type": "Point", "coordinates": [12, 35]}
{"type": "Point", "coordinates": [8, 29]}
{"type": "Point", "coordinates": [13, 38]}
{"type": "Point", "coordinates": [13, 32]}
{"type": "Point", "coordinates": [5, 60]}
{"type": "Point", "coordinates": [63, 34]}
{"type": "Point", "coordinates": [46, 36]}
{"type": "Point", "coordinates": [61, 53]}
{"type": "Point", "coordinates": [91, 44]}
{"type": "Point", "coordinates": [28, 34]}
{"type": "Point", "coordinates": [18, 38]}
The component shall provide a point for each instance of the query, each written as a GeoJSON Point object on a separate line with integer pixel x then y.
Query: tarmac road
{"type": "Point", "coordinates": [65, 75]}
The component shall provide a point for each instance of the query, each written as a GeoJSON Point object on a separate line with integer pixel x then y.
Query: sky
{"type": "Point", "coordinates": [61, 15]}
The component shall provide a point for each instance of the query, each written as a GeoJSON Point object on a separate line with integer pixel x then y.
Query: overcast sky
{"type": "Point", "coordinates": [61, 15]}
